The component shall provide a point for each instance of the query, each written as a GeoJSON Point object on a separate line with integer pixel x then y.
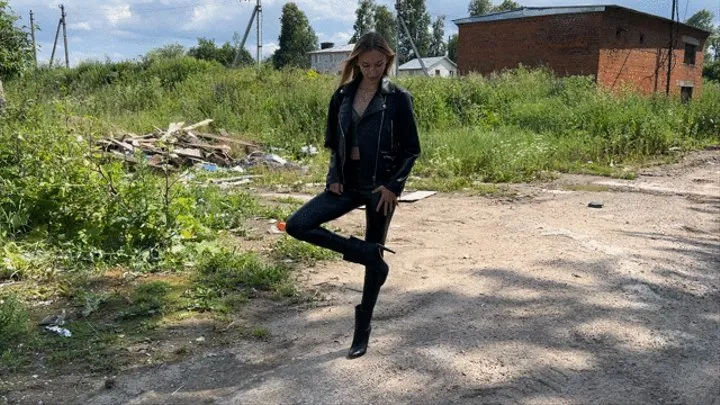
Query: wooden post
{"type": "Point", "coordinates": [67, 59]}
{"type": "Point", "coordinates": [2, 98]}
{"type": "Point", "coordinates": [32, 35]}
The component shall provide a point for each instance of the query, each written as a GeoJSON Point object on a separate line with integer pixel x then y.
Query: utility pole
{"type": "Point", "coordinates": [258, 23]}
{"type": "Point", "coordinates": [401, 23]}
{"type": "Point", "coordinates": [32, 35]}
{"type": "Point", "coordinates": [57, 34]}
{"type": "Point", "coordinates": [397, 37]}
{"type": "Point", "coordinates": [417, 54]}
{"type": "Point", "coordinates": [67, 58]}
{"type": "Point", "coordinates": [671, 49]}
{"type": "Point", "coordinates": [257, 13]}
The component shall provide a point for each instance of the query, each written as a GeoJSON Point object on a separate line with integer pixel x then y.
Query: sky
{"type": "Point", "coordinates": [128, 29]}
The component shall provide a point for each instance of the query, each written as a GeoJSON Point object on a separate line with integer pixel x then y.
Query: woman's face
{"type": "Point", "coordinates": [372, 64]}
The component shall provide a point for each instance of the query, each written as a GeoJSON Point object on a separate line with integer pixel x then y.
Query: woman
{"type": "Point", "coordinates": [373, 139]}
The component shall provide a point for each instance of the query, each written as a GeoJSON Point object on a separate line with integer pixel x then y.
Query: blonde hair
{"type": "Point", "coordinates": [372, 41]}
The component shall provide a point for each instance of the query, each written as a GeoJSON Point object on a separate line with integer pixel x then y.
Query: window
{"type": "Point", "coordinates": [686, 94]}
{"type": "Point", "coordinates": [437, 72]}
{"type": "Point", "coordinates": [690, 51]}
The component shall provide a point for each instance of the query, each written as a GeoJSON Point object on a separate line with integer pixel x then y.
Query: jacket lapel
{"type": "Point", "coordinates": [345, 114]}
{"type": "Point", "coordinates": [376, 105]}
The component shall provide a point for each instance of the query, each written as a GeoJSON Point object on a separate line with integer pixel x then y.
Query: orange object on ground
{"type": "Point", "coordinates": [281, 226]}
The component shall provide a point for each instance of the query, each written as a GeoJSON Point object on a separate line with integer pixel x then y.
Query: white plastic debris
{"type": "Point", "coordinates": [271, 157]}
{"type": "Point", "coordinates": [309, 150]}
{"type": "Point", "coordinates": [60, 331]}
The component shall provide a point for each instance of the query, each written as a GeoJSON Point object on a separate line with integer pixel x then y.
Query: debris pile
{"type": "Point", "coordinates": [179, 146]}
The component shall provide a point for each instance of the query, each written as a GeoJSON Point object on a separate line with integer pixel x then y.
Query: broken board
{"type": "Point", "coordinates": [416, 196]}
{"type": "Point", "coordinates": [412, 197]}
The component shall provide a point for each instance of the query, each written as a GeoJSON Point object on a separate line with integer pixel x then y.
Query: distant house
{"type": "Point", "coordinates": [440, 66]}
{"type": "Point", "coordinates": [329, 58]}
{"type": "Point", "coordinates": [618, 46]}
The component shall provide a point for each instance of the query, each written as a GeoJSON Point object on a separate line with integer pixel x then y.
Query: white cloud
{"type": "Point", "coordinates": [337, 38]}
{"type": "Point", "coordinates": [117, 14]}
{"type": "Point", "coordinates": [316, 10]}
{"type": "Point", "coordinates": [81, 26]}
{"type": "Point", "coordinates": [208, 15]}
{"type": "Point", "coordinates": [267, 50]}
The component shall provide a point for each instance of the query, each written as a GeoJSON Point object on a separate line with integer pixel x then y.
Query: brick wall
{"type": "Point", "coordinates": [634, 53]}
{"type": "Point", "coordinates": [566, 43]}
{"type": "Point", "coordinates": [618, 47]}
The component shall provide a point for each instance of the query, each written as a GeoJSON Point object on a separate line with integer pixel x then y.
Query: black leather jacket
{"type": "Point", "coordinates": [388, 122]}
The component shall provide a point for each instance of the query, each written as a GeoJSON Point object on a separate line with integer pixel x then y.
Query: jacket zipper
{"type": "Point", "coordinates": [342, 156]}
{"type": "Point", "coordinates": [377, 155]}
{"type": "Point", "coordinates": [392, 135]}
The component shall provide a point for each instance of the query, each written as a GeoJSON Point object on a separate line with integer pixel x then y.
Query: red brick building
{"type": "Point", "coordinates": [616, 45]}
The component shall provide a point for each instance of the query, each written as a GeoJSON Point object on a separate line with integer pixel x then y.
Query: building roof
{"type": "Point", "coordinates": [336, 49]}
{"type": "Point", "coordinates": [414, 64]}
{"type": "Point", "coordinates": [527, 12]}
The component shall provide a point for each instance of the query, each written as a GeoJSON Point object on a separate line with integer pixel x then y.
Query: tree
{"type": "Point", "coordinates": [245, 57]}
{"type": "Point", "coordinates": [452, 47]}
{"type": "Point", "coordinates": [16, 52]}
{"type": "Point", "coordinates": [507, 5]}
{"type": "Point", "coordinates": [365, 19]}
{"type": "Point", "coordinates": [482, 7]}
{"type": "Point", "coordinates": [479, 7]}
{"type": "Point", "coordinates": [296, 39]}
{"type": "Point", "coordinates": [225, 55]}
{"type": "Point", "coordinates": [437, 46]}
{"type": "Point", "coordinates": [386, 25]}
{"type": "Point", "coordinates": [170, 51]}
{"type": "Point", "coordinates": [712, 71]}
{"type": "Point", "coordinates": [714, 42]}
{"type": "Point", "coordinates": [417, 20]}
{"type": "Point", "coordinates": [703, 20]}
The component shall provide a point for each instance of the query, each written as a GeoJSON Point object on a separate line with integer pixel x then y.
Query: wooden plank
{"type": "Point", "coordinates": [416, 196]}
{"type": "Point", "coordinates": [189, 152]}
{"type": "Point", "coordinates": [174, 127]}
{"type": "Point", "coordinates": [198, 125]}
{"type": "Point", "coordinates": [234, 179]}
{"type": "Point", "coordinates": [225, 139]}
{"type": "Point", "coordinates": [223, 148]}
{"type": "Point", "coordinates": [123, 144]}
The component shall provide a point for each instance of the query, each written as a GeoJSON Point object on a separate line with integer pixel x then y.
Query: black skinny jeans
{"type": "Point", "coordinates": [305, 225]}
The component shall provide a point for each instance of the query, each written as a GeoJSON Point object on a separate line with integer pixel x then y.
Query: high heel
{"type": "Point", "coordinates": [361, 337]}
{"type": "Point", "coordinates": [369, 254]}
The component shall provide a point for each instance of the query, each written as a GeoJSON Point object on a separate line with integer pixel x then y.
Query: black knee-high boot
{"type": "Point", "coordinates": [361, 337]}
{"type": "Point", "coordinates": [368, 254]}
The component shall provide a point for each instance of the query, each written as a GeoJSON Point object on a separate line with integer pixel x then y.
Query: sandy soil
{"type": "Point", "coordinates": [534, 300]}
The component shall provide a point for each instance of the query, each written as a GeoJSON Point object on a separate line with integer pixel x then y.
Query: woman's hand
{"type": "Point", "coordinates": [336, 188]}
{"type": "Point", "coordinates": [388, 200]}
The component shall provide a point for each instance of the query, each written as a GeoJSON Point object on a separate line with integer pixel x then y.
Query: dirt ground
{"type": "Point", "coordinates": [538, 299]}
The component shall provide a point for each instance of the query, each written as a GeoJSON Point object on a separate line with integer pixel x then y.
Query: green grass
{"type": "Point", "coordinates": [504, 128]}
{"type": "Point", "coordinates": [287, 248]}
{"type": "Point", "coordinates": [585, 187]}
